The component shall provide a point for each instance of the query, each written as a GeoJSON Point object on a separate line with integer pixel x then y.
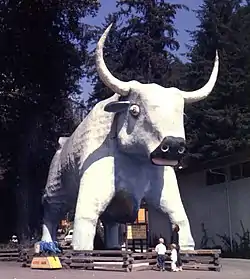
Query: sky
{"type": "Point", "coordinates": [185, 20]}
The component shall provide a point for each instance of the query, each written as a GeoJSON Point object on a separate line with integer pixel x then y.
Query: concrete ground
{"type": "Point", "coordinates": [231, 269]}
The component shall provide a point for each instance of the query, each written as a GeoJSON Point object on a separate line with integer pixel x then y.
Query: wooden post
{"type": "Point", "coordinates": [126, 237]}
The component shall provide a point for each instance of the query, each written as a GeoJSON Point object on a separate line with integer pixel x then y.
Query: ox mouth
{"type": "Point", "coordinates": [163, 162]}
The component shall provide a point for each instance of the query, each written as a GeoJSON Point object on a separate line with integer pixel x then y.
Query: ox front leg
{"type": "Point", "coordinates": [171, 203]}
{"type": "Point", "coordinates": [95, 193]}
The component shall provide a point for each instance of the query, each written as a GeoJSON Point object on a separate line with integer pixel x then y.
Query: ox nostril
{"type": "Point", "coordinates": [181, 150]}
{"type": "Point", "coordinates": [164, 148]}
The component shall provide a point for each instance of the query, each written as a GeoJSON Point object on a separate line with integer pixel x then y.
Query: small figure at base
{"type": "Point", "coordinates": [173, 257]}
{"type": "Point", "coordinates": [161, 249]}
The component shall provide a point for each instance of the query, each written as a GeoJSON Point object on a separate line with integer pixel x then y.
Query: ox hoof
{"type": "Point", "coordinates": [114, 248]}
{"type": "Point", "coordinates": [187, 247]}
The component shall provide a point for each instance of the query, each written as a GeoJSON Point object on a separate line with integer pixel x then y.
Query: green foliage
{"type": "Point", "coordinates": [40, 66]}
{"type": "Point", "coordinates": [206, 240]}
{"type": "Point", "coordinates": [220, 125]}
{"type": "Point", "coordinates": [139, 46]}
{"type": "Point", "coordinates": [240, 243]}
{"type": "Point", "coordinates": [43, 47]}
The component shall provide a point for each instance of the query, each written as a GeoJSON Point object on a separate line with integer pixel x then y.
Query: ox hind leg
{"type": "Point", "coordinates": [169, 202]}
{"type": "Point", "coordinates": [111, 233]}
{"type": "Point", "coordinates": [95, 193]}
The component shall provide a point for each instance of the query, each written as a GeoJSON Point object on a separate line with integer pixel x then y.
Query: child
{"type": "Point", "coordinates": [173, 257]}
{"type": "Point", "coordinates": [161, 249]}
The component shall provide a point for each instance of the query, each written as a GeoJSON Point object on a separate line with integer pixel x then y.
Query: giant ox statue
{"type": "Point", "coordinates": [122, 152]}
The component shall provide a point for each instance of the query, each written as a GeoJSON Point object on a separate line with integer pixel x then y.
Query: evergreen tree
{"type": "Point", "coordinates": [218, 125]}
{"type": "Point", "coordinates": [43, 46]}
{"type": "Point", "coordinates": [139, 45]}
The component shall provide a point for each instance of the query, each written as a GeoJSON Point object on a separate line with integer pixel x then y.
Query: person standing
{"type": "Point", "coordinates": [175, 240]}
{"type": "Point", "coordinates": [173, 257]}
{"type": "Point", "coordinates": [161, 250]}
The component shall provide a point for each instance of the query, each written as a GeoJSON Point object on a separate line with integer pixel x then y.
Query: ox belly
{"type": "Point", "coordinates": [122, 209]}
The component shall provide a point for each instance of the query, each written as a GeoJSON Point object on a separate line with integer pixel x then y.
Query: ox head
{"type": "Point", "coordinates": [150, 117]}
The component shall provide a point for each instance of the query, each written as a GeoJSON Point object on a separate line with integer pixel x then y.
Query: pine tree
{"type": "Point", "coordinates": [140, 45]}
{"type": "Point", "coordinates": [216, 126]}
{"type": "Point", "coordinates": [43, 46]}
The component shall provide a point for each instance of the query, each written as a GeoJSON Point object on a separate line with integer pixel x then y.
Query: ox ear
{"type": "Point", "coordinates": [118, 106]}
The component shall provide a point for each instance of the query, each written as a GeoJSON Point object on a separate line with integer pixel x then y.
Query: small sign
{"type": "Point", "coordinates": [141, 215]}
{"type": "Point", "coordinates": [46, 263]}
{"type": "Point", "coordinates": [136, 231]}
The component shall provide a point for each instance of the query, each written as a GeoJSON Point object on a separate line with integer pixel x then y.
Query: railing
{"type": "Point", "coordinates": [117, 260]}
{"type": "Point", "coordinates": [9, 254]}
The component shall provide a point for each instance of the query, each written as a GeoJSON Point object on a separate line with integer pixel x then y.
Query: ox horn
{"type": "Point", "coordinates": [200, 94]}
{"type": "Point", "coordinates": [117, 86]}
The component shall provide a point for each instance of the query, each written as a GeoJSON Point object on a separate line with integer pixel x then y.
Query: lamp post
{"type": "Point", "coordinates": [228, 205]}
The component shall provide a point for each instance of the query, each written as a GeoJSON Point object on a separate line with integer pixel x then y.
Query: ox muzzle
{"type": "Point", "coordinates": [169, 152]}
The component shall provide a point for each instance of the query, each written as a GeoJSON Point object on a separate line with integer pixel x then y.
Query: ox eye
{"type": "Point", "coordinates": [134, 110]}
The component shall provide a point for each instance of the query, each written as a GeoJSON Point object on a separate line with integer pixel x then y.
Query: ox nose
{"type": "Point", "coordinates": [169, 152]}
{"type": "Point", "coordinates": [173, 145]}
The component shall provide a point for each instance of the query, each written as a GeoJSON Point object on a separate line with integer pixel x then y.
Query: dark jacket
{"type": "Point", "coordinates": [175, 238]}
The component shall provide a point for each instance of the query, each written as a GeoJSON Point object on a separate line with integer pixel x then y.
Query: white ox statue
{"type": "Point", "coordinates": [122, 152]}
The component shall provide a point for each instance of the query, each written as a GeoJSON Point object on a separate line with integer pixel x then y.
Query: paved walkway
{"type": "Point", "coordinates": [232, 269]}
